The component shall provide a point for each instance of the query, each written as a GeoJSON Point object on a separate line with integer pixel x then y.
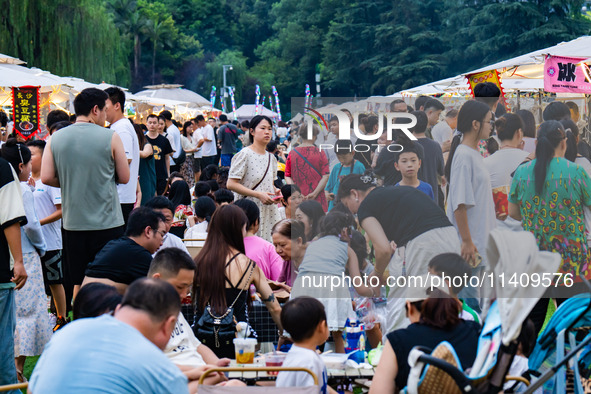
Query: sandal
{"type": "Point", "coordinates": [21, 378]}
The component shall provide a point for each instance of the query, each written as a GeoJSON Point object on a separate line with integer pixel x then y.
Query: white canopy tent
{"type": "Point", "coordinates": [173, 92]}
{"type": "Point", "coordinates": [248, 111]}
{"type": "Point", "coordinates": [523, 73]}
{"type": "Point", "coordinates": [5, 59]}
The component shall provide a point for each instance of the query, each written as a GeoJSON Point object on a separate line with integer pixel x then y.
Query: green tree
{"type": "Point", "coordinates": [235, 77]}
{"type": "Point", "coordinates": [348, 46]}
{"type": "Point", "coordinates": [67, 38]}
{"type": "Point", "coordinates": [490, 31]}
{"type": "Point", "coordinates": [158, 32]}
{"type": "Point", "coordinates": [131, 24]}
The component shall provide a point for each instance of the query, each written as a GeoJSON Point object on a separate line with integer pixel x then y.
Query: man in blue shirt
{"type": "Point", "coordinates": [120, 354]}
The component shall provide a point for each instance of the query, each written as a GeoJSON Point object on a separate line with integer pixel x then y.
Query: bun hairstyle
{"type": "Point", "coordinates": [440, 310]}
{"type": "Point", "coordinates": [204, 208]}
{"type": "Point", "coordinates": [290, 228]}
{"type": "Point", "coordinates": [507, 125]}
{"type": "Point", "coordinates": [15, 153]}
{"type": "Point", "coordinates": [471, 111]}
{"type": "Point", "coordinates": [550, 135]}
{"type": "Point", "coordinates": [356, 182]}
{"type": "Point", "coordinates": [303, 132]}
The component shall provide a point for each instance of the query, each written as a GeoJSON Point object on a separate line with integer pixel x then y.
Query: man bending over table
{"type": "Point", "coordinates": [128, 258]}
{"type": "Point", "coordinates": [174, 266]}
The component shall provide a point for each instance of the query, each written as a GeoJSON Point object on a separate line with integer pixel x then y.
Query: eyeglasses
{"type": "Point", "coordinates": [162, 233]}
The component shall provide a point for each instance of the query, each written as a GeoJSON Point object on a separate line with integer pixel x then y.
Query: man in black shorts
{"type": "Point", "coordinates": [162, 152]}
{"type": "Point", "coordinates": [86, 161]}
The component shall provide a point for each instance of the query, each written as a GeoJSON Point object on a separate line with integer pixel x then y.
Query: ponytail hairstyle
{"type": "Point", "coordinates": [334, 223]}
{"type": "Point", "coordinates": [204, 208]}
{"type": "Point", "coordinates": [471, 110]}
{"type": "Point", "coordinates": [507, 125]}
{"type": "Point", "coordinates": [550, 134]}
{"type": "Point", "coordinates": [572, 135]}
{"type": "Point", "coordinates": [15, 153]}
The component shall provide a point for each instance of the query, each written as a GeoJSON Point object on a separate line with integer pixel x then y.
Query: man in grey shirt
{"type": "Point", "coordinates": [86, 160]}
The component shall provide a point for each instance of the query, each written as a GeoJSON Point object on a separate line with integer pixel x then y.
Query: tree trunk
{"type": "Point", "coordinates": [136, 56]}
{"type": "Point", "coordinates": [154, 64]}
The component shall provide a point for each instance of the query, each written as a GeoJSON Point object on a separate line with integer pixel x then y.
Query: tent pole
{"type": "Point", "coordinates": [588, 128]}
{"type": "Point", "coordinates": [540, 105]}
{"type": "Point", "coordinates": [518, 100]}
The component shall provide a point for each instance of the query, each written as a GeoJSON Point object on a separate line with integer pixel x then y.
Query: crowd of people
{"type": "Point", "coordinates": [96, 218]}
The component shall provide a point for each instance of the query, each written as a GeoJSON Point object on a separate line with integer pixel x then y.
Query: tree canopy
{"type": "Point", "coordinates": [362, 47]}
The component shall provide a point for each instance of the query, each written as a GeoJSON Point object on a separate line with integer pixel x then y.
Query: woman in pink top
{"type": "Point", "coordinates": [256, 248]}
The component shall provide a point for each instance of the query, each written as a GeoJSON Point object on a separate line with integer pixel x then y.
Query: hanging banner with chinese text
{"type": "Point", "coordinates": [25, 110]}
{"type": "Point", "coordinates": [486, 76]}
{"type": "Point", "coordinates": [566, 75]}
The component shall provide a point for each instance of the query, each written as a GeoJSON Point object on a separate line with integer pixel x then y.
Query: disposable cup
{"type": "Point", "coordinates": [274, 360]}
{"type": "Point", "coordinates": [244, 348]}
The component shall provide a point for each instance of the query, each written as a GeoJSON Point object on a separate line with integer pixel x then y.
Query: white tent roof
{"type": "Point", "coordinates": [524, 73]}
{"type": "Point", "coordinates": [15, 75]}
{"type": "Point", "coordinates": [248, 111]}
{"type": "Point", "coordinates": [173, 92]}
{"type": "Point", "coordinates": [5, 59]}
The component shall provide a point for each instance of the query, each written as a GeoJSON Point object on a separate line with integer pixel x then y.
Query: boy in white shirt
{"type": "Point", "coordinates": [304, 319]}
{"type": "Point", "coordinates": [48, 205]}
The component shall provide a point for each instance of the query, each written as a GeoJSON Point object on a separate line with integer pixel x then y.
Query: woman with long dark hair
{"type": "Point", "coordinates": [310, 213]}
{"type": "Point", "coordinates": [180, 196]}
{"type": "Point", "coordinates": [253, 172]}
{"type": "Point", "coordinates": [189, 145]}
{"type": "Point", "coordinates": [470, 206]}
{"type": "Point", "coordinates": [548, 195]}
{"type": "Point", "coordinates": [147, 170]}
{"type": "Point", "coordinates": [224, 275]}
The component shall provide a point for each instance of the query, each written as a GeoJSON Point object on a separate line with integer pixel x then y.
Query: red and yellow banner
{"type": "Point", "coordinates": [25, 110]}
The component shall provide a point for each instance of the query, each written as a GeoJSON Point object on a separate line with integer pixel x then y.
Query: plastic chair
{"type": "Point", "coordinates": [258, 389]}
{"type": "Point", "coordinates": [194, 245]}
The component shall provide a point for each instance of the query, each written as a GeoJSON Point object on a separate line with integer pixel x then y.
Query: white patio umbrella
{"type": "Point", "coordinates": [174, 92]}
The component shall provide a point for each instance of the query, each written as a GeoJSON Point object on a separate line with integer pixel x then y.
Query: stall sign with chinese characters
{"type": "Point", "coordinates": [566, 75]}
{"type": "Point", "coordinates": [25, 110]}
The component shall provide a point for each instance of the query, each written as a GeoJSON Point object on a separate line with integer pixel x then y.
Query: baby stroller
{"type": "Point", "coordinates": [508, 253]}
{"type": "Point", "coordinates": [557, 369]}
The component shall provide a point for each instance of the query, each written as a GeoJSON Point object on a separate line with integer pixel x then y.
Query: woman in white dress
{"type": "Point", "coordinates": [252, 173]}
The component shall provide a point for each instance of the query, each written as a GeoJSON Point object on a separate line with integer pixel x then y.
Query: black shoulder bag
{"type": "Point", "coordinates": [219, 331]}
